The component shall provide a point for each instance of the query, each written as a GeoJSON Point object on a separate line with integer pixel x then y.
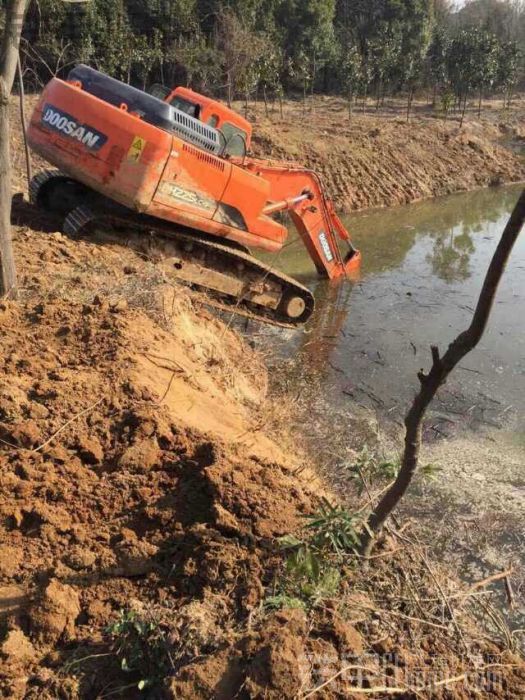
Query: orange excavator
{"type": "Point", "coordinates": [169, 172]}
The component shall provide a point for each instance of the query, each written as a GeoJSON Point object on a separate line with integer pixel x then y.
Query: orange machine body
{"type": "Point", "coordinates": [155, 172]}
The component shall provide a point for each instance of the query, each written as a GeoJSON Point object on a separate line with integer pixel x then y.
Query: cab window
{"type": "Point", "coordinates": [236, 140]}
{"type": "Point", "coordinates": [186, 106]}
{"type": "Point", "coordinates": [213, 120]}
{"type": "Point", "coordinates": [159, 91]}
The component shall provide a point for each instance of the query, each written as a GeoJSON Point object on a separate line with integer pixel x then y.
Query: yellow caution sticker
{"type": "Point", "coordinates": [135, 151]}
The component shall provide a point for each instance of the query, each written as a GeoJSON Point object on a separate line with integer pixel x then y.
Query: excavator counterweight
{"type": "Point", "coordinates": [173, 177]}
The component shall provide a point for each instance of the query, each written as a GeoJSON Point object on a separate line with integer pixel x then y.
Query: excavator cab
{"type": "Point", "coordinates": [237, 132]}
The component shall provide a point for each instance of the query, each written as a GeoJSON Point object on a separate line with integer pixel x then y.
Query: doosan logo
{"type": "Point", "coordinates": [54, 118]}
{"type": "Point", "coordinates": [325, 246]}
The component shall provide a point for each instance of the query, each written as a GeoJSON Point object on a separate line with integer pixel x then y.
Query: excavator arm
{"type": "Point", "coordinates": [299, 191]}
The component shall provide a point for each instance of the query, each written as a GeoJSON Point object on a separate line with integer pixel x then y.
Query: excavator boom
{"type": "Point", "coordinates": [312, 213]}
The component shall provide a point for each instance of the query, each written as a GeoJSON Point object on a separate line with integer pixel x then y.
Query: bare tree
{"type": "Point", "coordinates": [441, 368]}
{"type": "Point", "coordinates": [14, 18]}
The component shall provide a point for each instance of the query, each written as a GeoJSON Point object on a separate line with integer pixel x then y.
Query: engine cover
{"type": "Point", "coordinates": [149, 108]}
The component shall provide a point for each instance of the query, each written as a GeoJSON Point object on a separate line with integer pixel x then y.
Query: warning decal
{"type": "Point", "coordinates": [136, 149]}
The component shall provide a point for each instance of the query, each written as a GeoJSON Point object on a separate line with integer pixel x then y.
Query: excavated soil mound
{"type": "Point", "coordinates": [107, 497]}
{"type": "Point", "coordinates": [381, 160]}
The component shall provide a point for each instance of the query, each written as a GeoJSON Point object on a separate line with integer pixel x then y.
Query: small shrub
{"type": "Point", "coordinates": [313, 564]}
{"type": "Point", "coordinates": [277, 602]}
{"type": "Point", "coordinates": [334, 529]}
{"type": "Point", "coordinates": [141, 648]}
{"type": "Point", "coordinates": [369, 469]}
{"type": "Point", "coordinates": [430, 471]}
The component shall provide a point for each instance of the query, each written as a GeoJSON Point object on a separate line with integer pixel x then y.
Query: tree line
{"type": "Point", "coordinates": [247, 48]}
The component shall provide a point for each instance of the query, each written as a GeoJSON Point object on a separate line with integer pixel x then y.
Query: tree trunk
{"type": "Point", "coordinates": [350, 104]}
{"type": "Point", "coordinates": [479, 102]}
{"type": "Point", "coordinates": [409, 102]}
{"type": "Point", "coordinates": [378, 95]}
{"type": "Point", "coordinates": [463, 110]}
{"type": "Point", "coordinates": [229, 90]}
{"type": "Point", "coordinates": [29, 168]}
{"type": "Point", "coordinates": [265, 98]}
{"type": "Point", "coordinates": [441, 368]}
{"type": "Point", "coordinates": [7, 261]}
{"type": "Point", "coordinates": [509, 101]}
{"type": "Point", "coordinates": [314, 76]}
{"type": "Point", "coordinates": [14, 19]}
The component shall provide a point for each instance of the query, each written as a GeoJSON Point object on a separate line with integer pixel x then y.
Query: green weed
{"type": "Point", "coordinates": [313, 562]}
{"type": "Point", "coordinates": [141, 648]}
{"type": "Point", "coordinates": [368, 469]}
{"type": "Point", "coordinates": [333, 528]}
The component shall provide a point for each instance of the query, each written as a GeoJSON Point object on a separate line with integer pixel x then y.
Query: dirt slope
{"type": "Point", "coordinates": [130, 466]}
{"type": "Point", "coordinates": [381, 160]}
{"type": "Point", "coordinates": [141, 505]}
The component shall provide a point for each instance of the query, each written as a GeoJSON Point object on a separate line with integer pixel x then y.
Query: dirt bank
{"type": "Point", "coordinates": [380, 160]}
{"type": "Point", "coordinates": [143, 495]}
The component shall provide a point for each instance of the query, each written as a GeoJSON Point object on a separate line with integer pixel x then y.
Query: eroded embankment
{"type": "Point", "coordinates": [381, 160]}
{"type": "Point", "coordinates": [141, 506]}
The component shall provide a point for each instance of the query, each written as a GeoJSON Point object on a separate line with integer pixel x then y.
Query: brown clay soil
{"type": "Point", "coordinates": [145, 472]}
{"type": "Point", "coordinates": [377, 159]}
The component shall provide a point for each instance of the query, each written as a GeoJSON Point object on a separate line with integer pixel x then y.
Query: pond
{"type": "Point", "coordinates": [423, 267]}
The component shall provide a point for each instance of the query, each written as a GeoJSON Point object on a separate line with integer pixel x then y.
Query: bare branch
{"type": "Point", "coordinates": [441, 368]}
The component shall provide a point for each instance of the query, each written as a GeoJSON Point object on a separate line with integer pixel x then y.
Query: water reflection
{"type": "Point", "coordinates": [386, 236]}
{"type": "Point", "coordinates": [450, 255]}
{"type": "Point", "coordinates": [332, 309]}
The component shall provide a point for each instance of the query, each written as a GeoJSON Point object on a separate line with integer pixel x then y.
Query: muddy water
{"type": "Point", "coordinates": [423, 267]}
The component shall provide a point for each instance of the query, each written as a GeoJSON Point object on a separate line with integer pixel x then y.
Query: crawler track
{"type": "Point", "coordinates": [233, 280]}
